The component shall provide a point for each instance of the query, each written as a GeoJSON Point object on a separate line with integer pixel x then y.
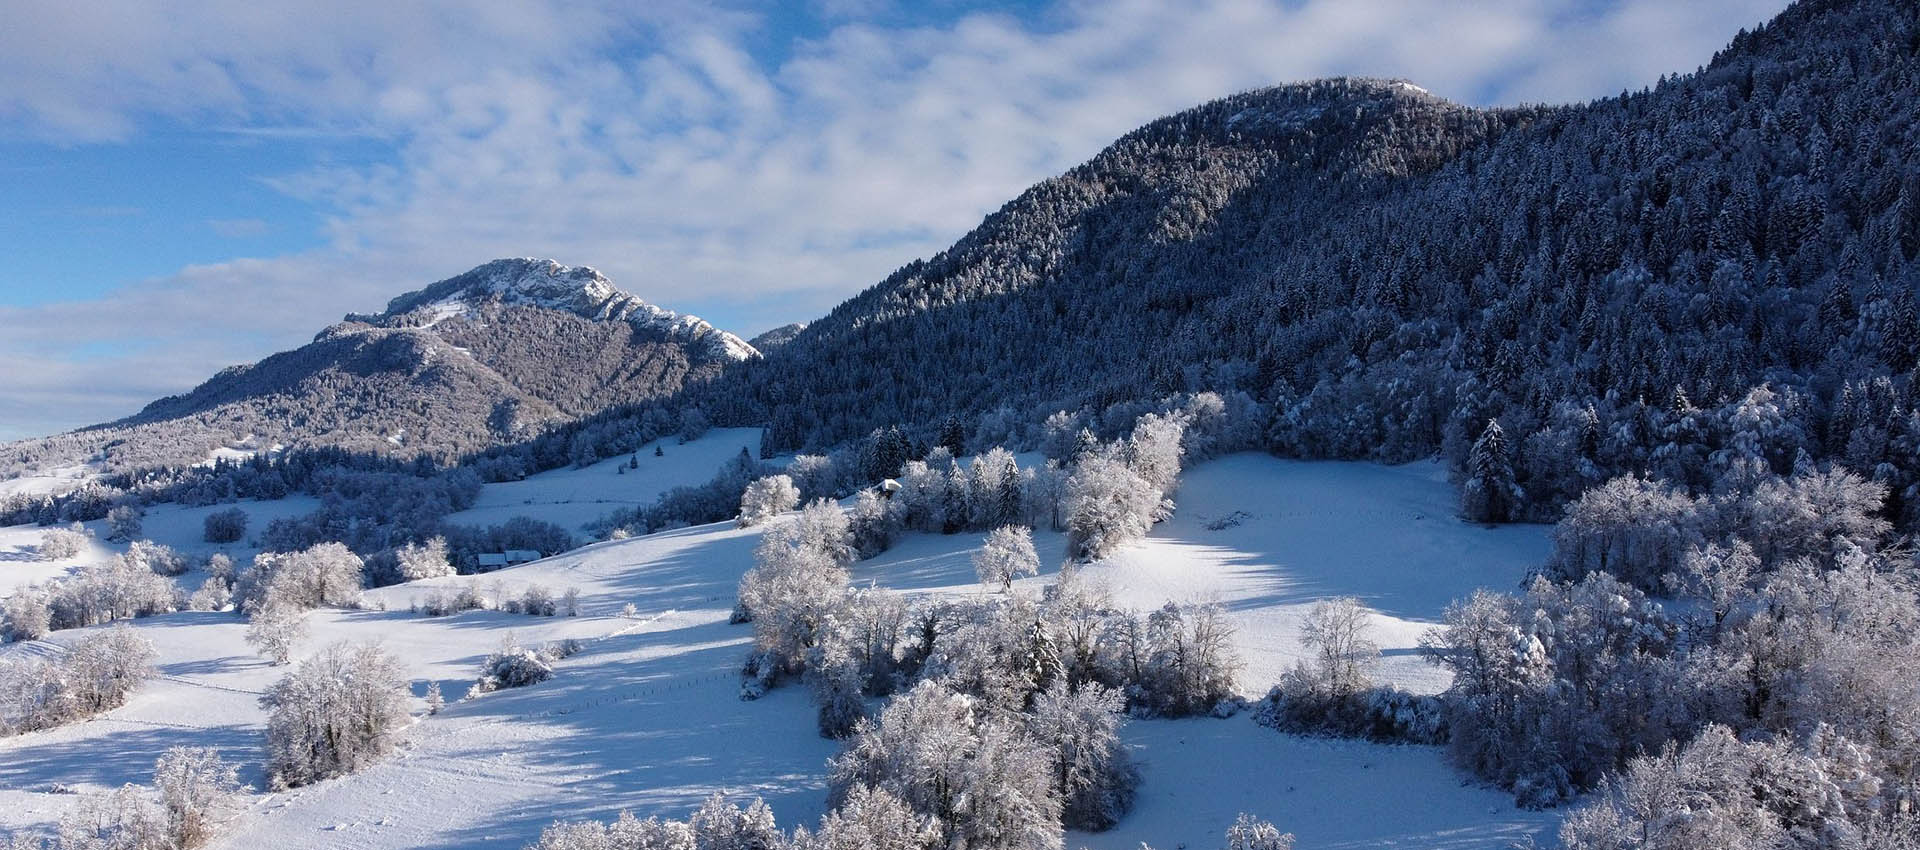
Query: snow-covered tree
{"type": "Point", "coordinates": [1335, 632]}
{"type": "Point", "coordinates": [59, 544]}
{"type": "Point", "coordinates": [1489, 493]}
{"type": "Point", "coordinates": [985, 781]}
{"type": "Point", "coordinates": [721, 825]}
{"type": "Point", "coordinates": [874, 521]}
{"type": "Point", "coordinates": [197, 791]}
{"type": "Point", "coordinates": [324, 574]}
{"type": "Point", "coordinates": [124, 523]}
{"type": "Point", "coordinates": [1250, 833]}
{"type": "Point", "coordinates": [25, 614]}
{"type": "Point", "coordinates": [417, 561]}
{"type": "Point", "coordinates": [274, 628]}
{"type": "Point", "coordinates": [224, 526]}
{"type": "Point", "coordinates": [872, 819]}
{"type": "Point", "coordinates": [161, 560]}
{"type": "Point", "coordinates": [1108, 506]}
{"type": "Point", "coordinates": [1092, 772]}
{"type": "Point", "coordinates": [766, 498]}
{"type": "Point", "coordinates": [1008, 554]}
{"type": "Point", "coordinates": [337, 712]}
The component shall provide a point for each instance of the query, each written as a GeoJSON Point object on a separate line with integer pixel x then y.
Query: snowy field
{"type": "Point", "coordinates": [648, 718]}
{"type": "Point", "coordinates": [571, 497]}
{"type": "Point", "coordinates": [179, 526]}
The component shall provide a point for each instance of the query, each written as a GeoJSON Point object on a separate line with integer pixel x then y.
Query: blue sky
{"type": "Point", "coordinates": [189, 187]}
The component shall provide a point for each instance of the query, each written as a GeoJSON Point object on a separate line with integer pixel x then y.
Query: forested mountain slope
{"type": "Point", "coordinates": [488, 356]}
{"type": "Point", "coordinates": [1387, 272]}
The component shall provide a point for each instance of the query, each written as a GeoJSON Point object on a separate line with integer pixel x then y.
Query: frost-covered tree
{"type": "Point", "coordinates": [1335, 632]}
{"type": "Point", "coordinates": [417, 561]}
{"type": "Point", "coordinates": [225, 526]}
{"type": "Point", "coordinates": [798, 581]}
{"type": "Point", "coordinates": [721, 825]}
{"type": "Point", "coordinates": [1092, 771]}
{"type": "Point", "coordinates": [1251, 833]}
{"type": "Point", "coordinates": [872, 819]}
{"type": "Point", "coordinates": [25, 614]}
{"type": "Point", "coordinates": [875, 521]}
{"type": "Point", "coordinates": [197, 791]}
{"type": "Point", "coordinates": [274, 628]}
{"type": "Point", "coordinates": [1630, 527]}
{"type": "Point", "coordinates": [59, 544]}
{"type": "Point", "coordinates": [1189, 662]}
{"type": "Point", "coordinates": [984, 780]}
{"type": "Point", "coordinates": [337, 712]}
{"type": "Point", "coordinates": [124, 523]}
{"type": "Point", "coordinates": [1108, 506]}
{"type": "Point", "coordinates": [1489, 493]}
{"type": "Point", "coordinates": [767, 497]}
{"type": "Point", "coordinates": [838, 681]}
{"type": "Point", "coordinates": [1007, 554]}
{"type": "Point", "coordinates": [326, 574]}
{"type": "Point", "coordinates": [160, 559]}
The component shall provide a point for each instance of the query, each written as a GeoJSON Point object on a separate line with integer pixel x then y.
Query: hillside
{"type": "Point", "coordinates": [648, 717]}
{"type": "Point", "coordinates": [485, 357]}
{"type": "Point", "coordinates": [1386, 272]}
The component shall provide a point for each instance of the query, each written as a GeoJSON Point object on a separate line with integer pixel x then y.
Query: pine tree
{"type": "Point", "coordinates": [1490, 494]}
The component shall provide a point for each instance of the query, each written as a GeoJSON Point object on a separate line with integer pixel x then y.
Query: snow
{"type": "Point", "coordinates": [573, 497]}
{"type": "Point", "coordinates": [49, 483]}
{"type": "Point", "coordinates": [647, 717]}
{"type": "Point", "coordinates": [182, 527]}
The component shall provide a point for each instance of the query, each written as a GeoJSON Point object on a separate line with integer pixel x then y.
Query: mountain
{"type": "Point", "coordinates": [477, 359]}
{"type": "Point", "coordinates": [777, 337]}
{"type": "Point", "coordinates": [1385, 272]}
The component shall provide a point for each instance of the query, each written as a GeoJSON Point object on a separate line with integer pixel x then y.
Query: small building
{"type": "Point", "coordinates": [887, 488]}
{"type": "Point", "coordinates": [496, 560]}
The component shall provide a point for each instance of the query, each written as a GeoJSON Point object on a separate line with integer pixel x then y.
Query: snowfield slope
{"type": "Point", "coordinates": [648, 718]}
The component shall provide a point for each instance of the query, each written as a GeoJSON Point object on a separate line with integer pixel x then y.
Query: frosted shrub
{"type": "Point", "coordinates": [766, 498]}
{"type": "Point", "coordinates": [24, 615]}
{"type": "Point", "coordinates": [226, 526]}
{"type": "Point", "coordinates": [197, 790]}
{"type": "Point", "coordinates": [337, 712]}
{"type": "Point", "coordinates": [161, 560]}
{"type": "Point", "coordinates": [1250, 833]}
{"type": "Point", "coordinates": [96, 674]}
{"type": "Point", "coordinates": [274, 629]}
{"type": "Point", "coordinates": [537, 601]}
{"type": "Point", "coordinates": [213, 595]}
{"type": "Point", "coordinates": [326, 574]}
{"type": "Point", "coordinates": [513, 666]}
{"type": "Point", "coordinates": [124, 523]}
{"type": "Point", "coordinates": [59, 544]}
{"type": "Point", "coordinates": [416, 561]}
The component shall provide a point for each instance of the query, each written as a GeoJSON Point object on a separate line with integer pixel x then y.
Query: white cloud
{"type": "Point", "coordinates": [653, 146]}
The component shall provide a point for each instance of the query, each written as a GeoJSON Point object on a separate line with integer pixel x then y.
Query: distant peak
{"type": "Point", "coordinates": [532, 282]}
